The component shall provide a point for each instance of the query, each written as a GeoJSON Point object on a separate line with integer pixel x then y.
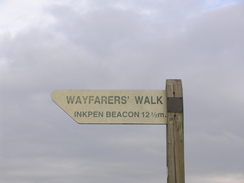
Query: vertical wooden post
{"type": "Point", "coordinates": [175, 132]}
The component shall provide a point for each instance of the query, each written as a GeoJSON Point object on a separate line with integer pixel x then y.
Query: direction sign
{"type": "Point", "coordinates": [113, 106]}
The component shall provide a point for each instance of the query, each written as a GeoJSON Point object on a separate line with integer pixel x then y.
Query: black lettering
{"type": "Point", "coordinates": [78, 100]}
{"type": "Point", "coordinates": [119, 114]}
{"type": "Point", "coordinates": [70, 99]}
{"type": "Point", "coordinates": [91, 98]}
{"type": "Point", "coordinates": [85, 98]}
{"type": "Point", "coordinates": [89, 113]}
{"type": "Point", "coordinates": [124, 114]}
{"type": "Point", "coordinates": [116, 99]}
{"type": "Point", "coordinates": [138, 99]}
{"type": "Point", "coordinates": [104, 99]}
{"type": "Point", "coordinates": [85, 114]}
{"type": "Point", "coordinates": [110, 99]}
{"type": "Point", "coordinates": [123, 100]}
{"type": "Point", "coordinates": [159, 100]}
{"type": "Point", "coordinates": [100, 114]}
{"type": "Point", "coordinates": [136, 114]}
{"type": "Point", "coordinates": [152, 100]}
{"type": "Point", "coordinates": [130, 114]}
{"type": "Point", "coordinates": [114, 114]}
{"type": "Point", "coordinates": [97, 100]}
{"type": "Point", "coordinates": [108, 114]}
{"type": "Point", "coordinates": [146, 100]}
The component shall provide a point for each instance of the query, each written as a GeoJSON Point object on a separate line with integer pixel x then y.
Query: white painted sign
{"type": "Point", "coordinates": [113, 106]}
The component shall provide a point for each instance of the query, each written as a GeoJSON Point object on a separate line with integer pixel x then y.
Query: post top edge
{"type": "Point", "coordinates": [173, 81]}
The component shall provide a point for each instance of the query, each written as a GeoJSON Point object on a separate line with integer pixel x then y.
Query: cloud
{"type": "Point", "coordinates": [216, 179]}
{"type": "Point", "coordinates": [122, 45]}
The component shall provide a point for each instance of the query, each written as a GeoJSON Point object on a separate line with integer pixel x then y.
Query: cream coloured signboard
{"type": "Point", "coordinates": [113, 106]}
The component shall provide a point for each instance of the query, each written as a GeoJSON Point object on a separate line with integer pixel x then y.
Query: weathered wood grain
{"type": "Point", "coordinates": [175, 136]}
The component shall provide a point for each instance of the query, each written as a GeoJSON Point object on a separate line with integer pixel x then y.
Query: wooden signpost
{"type": "Point", "coordinates": [175, 132]}
{"type": "Point", "coordinates": [133, 107]}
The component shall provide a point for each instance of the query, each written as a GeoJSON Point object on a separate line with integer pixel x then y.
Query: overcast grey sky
{"type": "Point", "coordinates": [123, 44]}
